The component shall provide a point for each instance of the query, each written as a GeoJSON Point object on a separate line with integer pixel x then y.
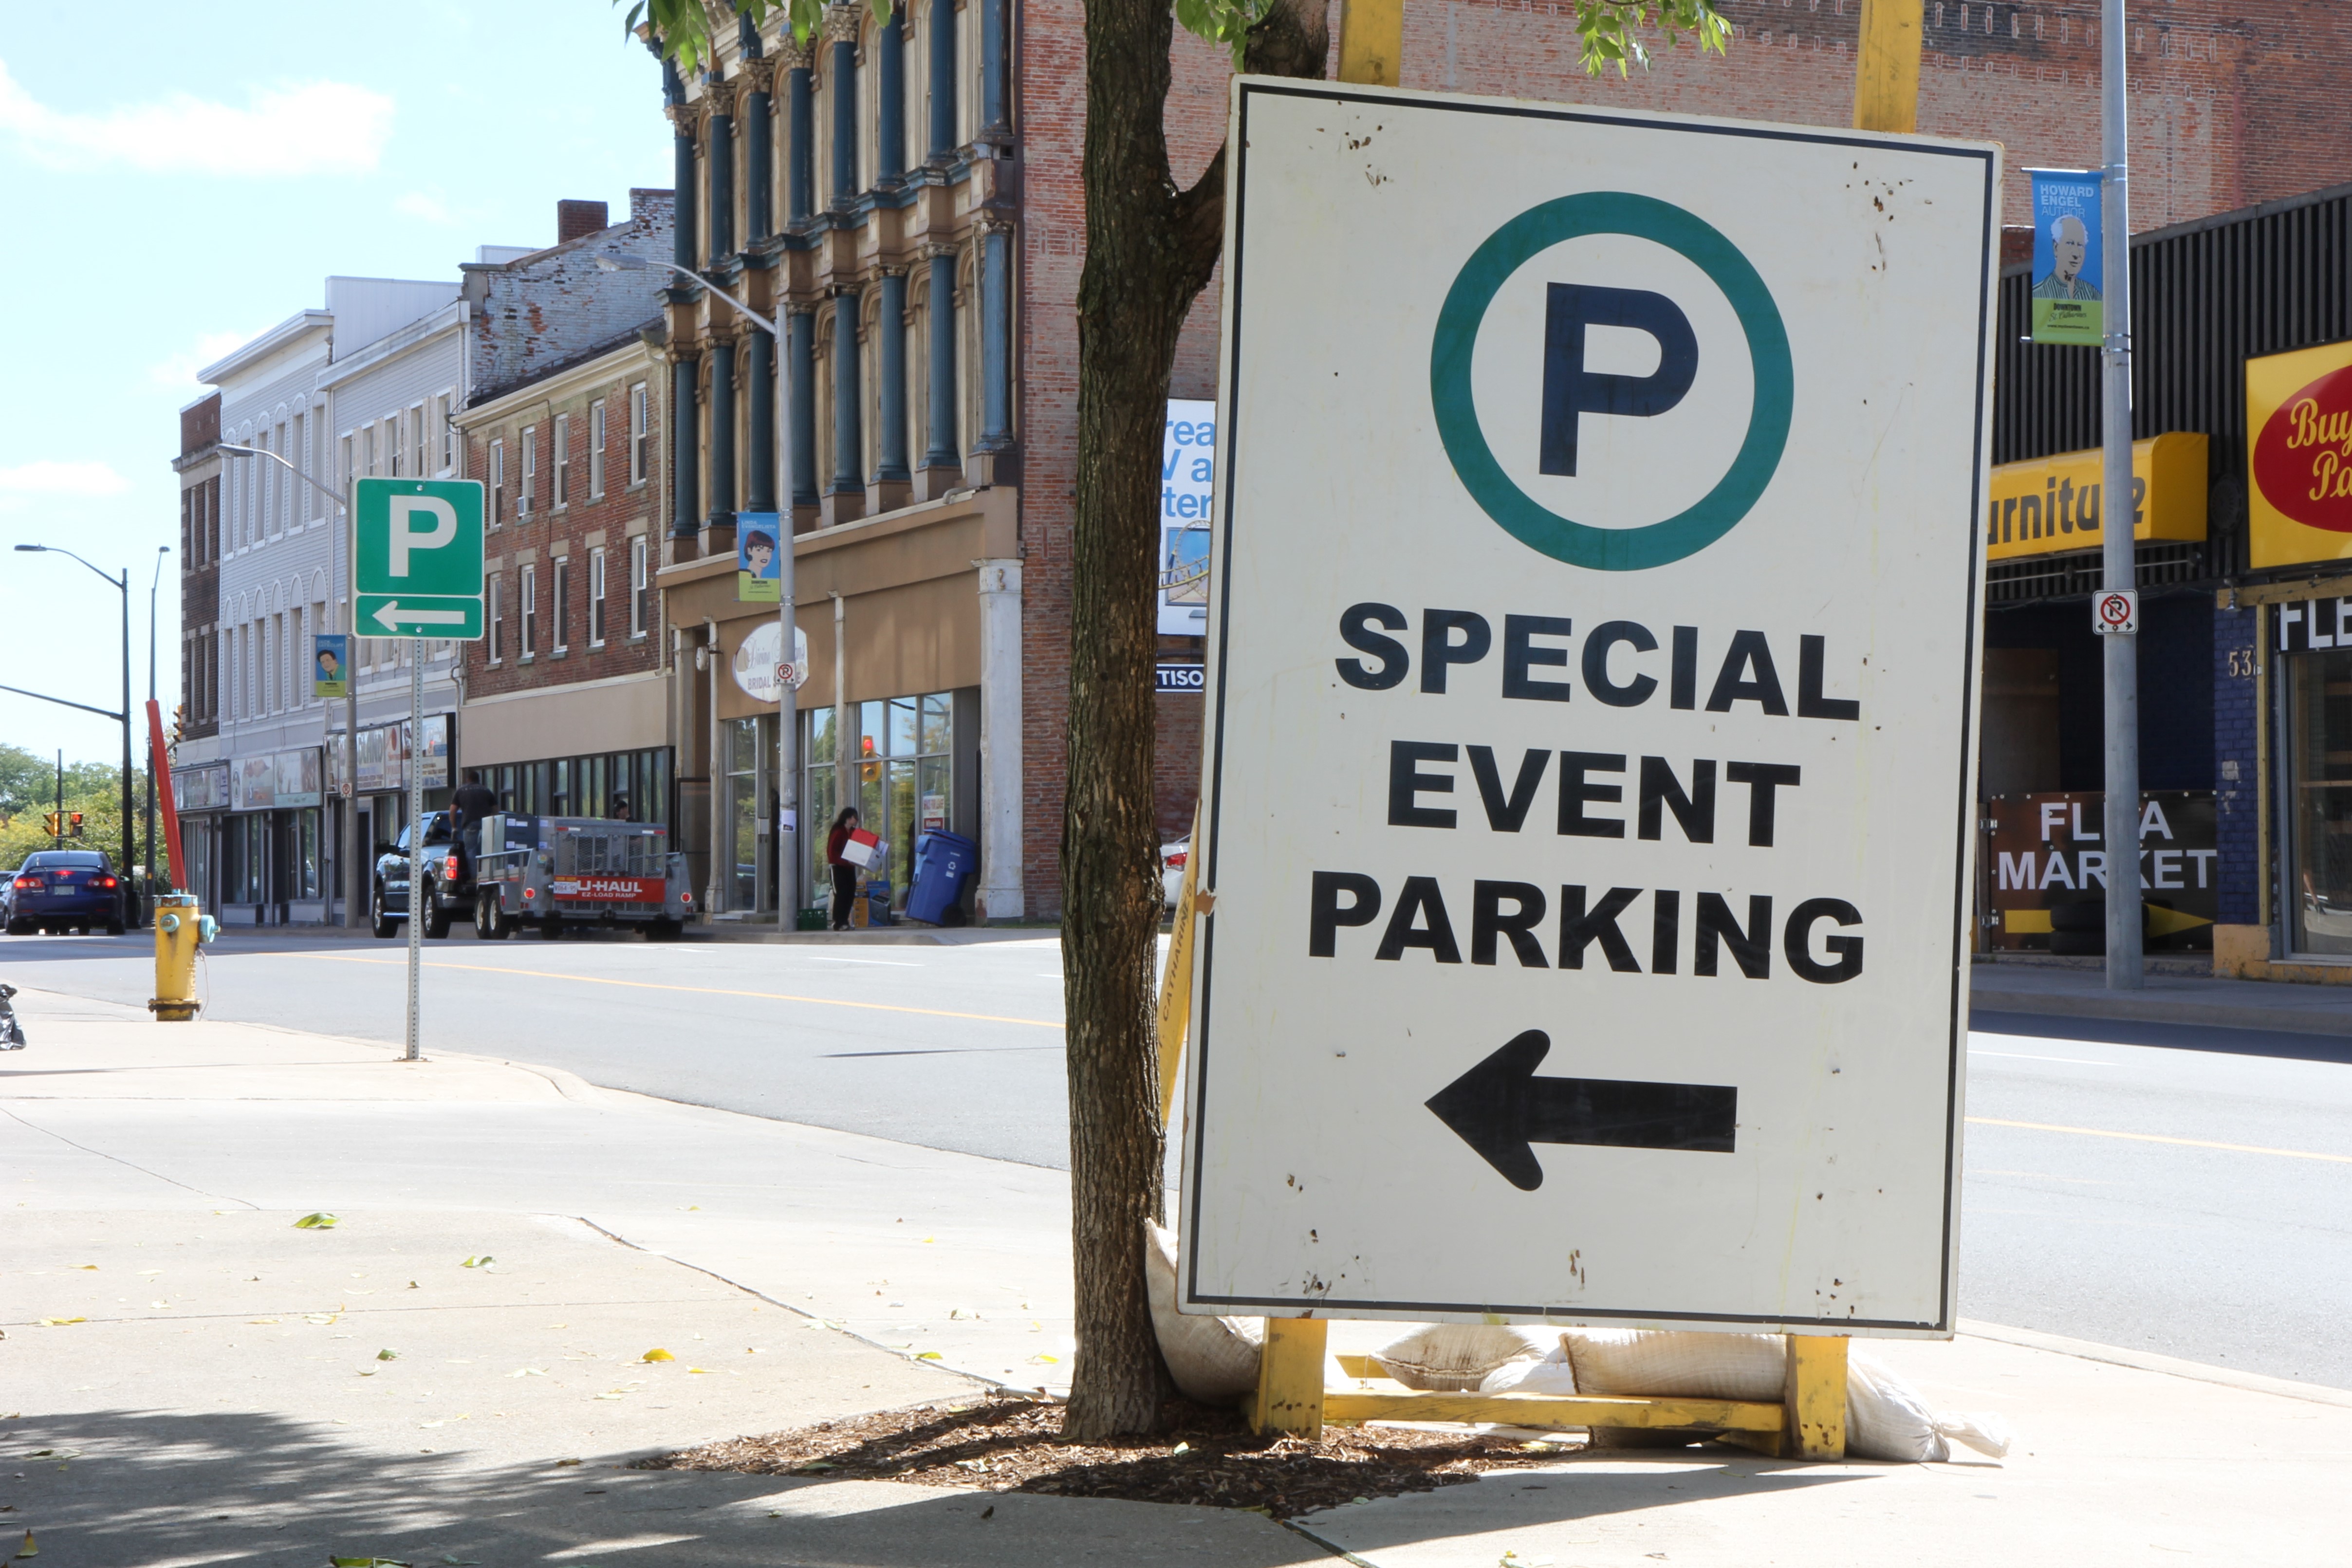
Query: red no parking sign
{"type": "Point", "coordinates": [2115, 613]}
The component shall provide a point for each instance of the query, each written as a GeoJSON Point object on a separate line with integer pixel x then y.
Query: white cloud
{"type": "Point", "coordinates": [309, 128]}
{"type": "Point", "coordinates": [423, 206]}
{"type": "Point", "coordinates": [50, 477]}
{"type": "Point", "coordinates": [178, 372]}
{"type": "Point", "coordinates": [27, 482]}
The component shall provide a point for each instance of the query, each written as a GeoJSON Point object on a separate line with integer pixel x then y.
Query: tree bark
{"type": "Point", "coordinates": [1150, 250]}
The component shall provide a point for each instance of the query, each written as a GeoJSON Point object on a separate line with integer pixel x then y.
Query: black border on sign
{"type": "Point", "coordinates": [1963, 814]}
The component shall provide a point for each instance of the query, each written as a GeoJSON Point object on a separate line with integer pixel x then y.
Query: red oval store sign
{"type": "Point", "coordinates": [2302, 459]}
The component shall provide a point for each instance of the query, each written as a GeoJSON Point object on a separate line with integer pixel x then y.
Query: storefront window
{"type": "Point", "coordinates": [818, 797]}
{"type": "Point", "coordinates": [2320, 729]}
{"type": "Point", "coordinates": [744, 818]}
{"type": "Point", "coordinates": [904, 747]}
{"type": "Point", "coordinates": [306, 852]}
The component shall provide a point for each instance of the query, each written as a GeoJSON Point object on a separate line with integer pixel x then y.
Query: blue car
{"type": "Point", "coordinates": [57, 889]}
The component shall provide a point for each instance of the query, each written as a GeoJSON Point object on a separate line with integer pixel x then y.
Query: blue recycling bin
{"type": "Point", "coordinates": [944, 861]}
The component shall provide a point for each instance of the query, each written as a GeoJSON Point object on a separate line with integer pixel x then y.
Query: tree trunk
{"type": "Point", "coordinates": [1150, 250]}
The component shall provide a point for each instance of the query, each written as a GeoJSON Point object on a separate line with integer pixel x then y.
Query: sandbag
{"type": "Point", "coordinates": [1457, 1357]}
{"type": "Point", "coordinates": [1552, 1375]}
{"type": "Point", "coordinates": [1214, 1360]}
{"type": "Point", "coordinates": [1886, 1420]}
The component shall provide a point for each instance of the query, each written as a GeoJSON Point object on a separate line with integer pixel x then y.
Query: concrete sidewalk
{"type": "Point", "coordinates": [223, 1400]}
{"type": "Point", "coordinates": [2058, 991]}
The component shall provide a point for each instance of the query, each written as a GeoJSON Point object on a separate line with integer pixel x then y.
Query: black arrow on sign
{"type": "Point", "coordinates": [1500, 1108]}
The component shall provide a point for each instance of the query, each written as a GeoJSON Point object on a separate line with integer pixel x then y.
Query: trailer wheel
{"type": "Point", "coordinates": [664, 930]}
{"type": "Point", "coordinates": [550, 927]}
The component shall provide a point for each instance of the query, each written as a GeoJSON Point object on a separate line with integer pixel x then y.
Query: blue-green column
{"type": "Point", "coordinates": [939, 445]}
{"type": "Point", "coordinates": [996, 338]}
{"type": "Point", "coordinates": [800, 137]}
{"type": "Point", "coordinates": [801, 350]}
{"type": "Point", "coordinates": [840, 91]}
{"type": "Point", "coordinates": [890, 101]}
{"type": "Point", "coordinates": [719, 157]}
{"type": "Point", "coordinates": [685, 442]}
{"type": "Point", "coordinates": [722, 431]}
{"type": "Point", "coordinates": [943, 80]}
{"type": "Point", "coordinates": [759, 143]}
{"type": "Point", "coordinates": [760, 423]}
{"type": "Point", "coordinates": [995, 117]}
{"type": "Point", "coordinates": [848, 450]}
{"type": "Point", "coordinates": [891, 457]}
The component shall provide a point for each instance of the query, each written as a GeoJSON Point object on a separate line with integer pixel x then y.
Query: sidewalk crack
{"type": "Point", "coordinates": [118, 1159]}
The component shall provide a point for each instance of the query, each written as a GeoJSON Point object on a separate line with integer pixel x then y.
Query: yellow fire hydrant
{"type": "Point", "coordinates": [179, 926]}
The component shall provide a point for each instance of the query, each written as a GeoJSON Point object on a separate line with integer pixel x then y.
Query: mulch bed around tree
{"type": "Point", "coordinates": [1008, 1443]}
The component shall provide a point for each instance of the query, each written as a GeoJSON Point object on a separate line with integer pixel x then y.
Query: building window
{"type": "Point", "coordinates": [529, 576]}
{"type": "Point", "coordinates": [498, 483]}
{"type": "Point", "coordinates": [596, 450]}
{"type": "Point", "coordinates": [392, 444]}
{"type": "Point", "coordinates": [638, 586]}
{"type": "Point", "coordinates": [445, 436]}
{"type": "Point", "coordinates": [596, 598]}
{"type": "Point", "coordinates": [640, 435]}
{"type": "Point", "coordinates": [497, 619]}
{"type": "Point", "coordinates": [562, 460]}
{"type": "Point", "coordinates": [417, 442]}
{"type": "Point", "coordinates": [560, 604]}
{"type": "Point", "coordinates": [529, 439]}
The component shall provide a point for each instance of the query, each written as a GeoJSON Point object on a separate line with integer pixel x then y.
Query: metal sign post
{"type": "Point", "coordinates": [417, 568]}
{"type": "Point", "coordinates": [2117, 546]}
{"type": "Point", "coordinates": [1590, 766]}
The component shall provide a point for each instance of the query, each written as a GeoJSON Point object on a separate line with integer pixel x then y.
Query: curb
{"type": "Point", "coordinates": [2170, 1367]}
{"type": "Point", "coordinates": [2163, 1009]}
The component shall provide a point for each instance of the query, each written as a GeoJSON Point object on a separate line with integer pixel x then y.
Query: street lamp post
{"type": "Point", "coordinates": [787, 713]}
{"type": "Point", "coordinates": [161, 551]}
{"type": "Point", "coordinates": [349, 850]}
{"type": "Point", "coordinates": [121, 585]}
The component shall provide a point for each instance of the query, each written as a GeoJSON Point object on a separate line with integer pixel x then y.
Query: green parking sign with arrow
{"type": "Point", "coordinates": [417, 558]}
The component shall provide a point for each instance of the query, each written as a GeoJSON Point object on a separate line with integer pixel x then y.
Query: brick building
{"type": "Point", "coordinates": [565, 707]}
{"type": "Point", "coordinates": [914, 191]}
{"type": "Point", "coordinates": [196, 733]}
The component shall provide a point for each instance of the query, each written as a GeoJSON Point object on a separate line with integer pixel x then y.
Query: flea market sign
{"type": "Point", "coordinates": [417, 558]}
{"type": "Point", "coordinates": [1591, 658]}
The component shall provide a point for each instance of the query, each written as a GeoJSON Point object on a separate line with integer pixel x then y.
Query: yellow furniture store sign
{"type": "Point", "coordinates": [2053, 504]}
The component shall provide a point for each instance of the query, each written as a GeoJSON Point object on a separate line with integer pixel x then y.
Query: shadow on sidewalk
{"type": "Point", "coordinates": [2167, 1036]}
{"type": "Point", "coordinates": [130, 1488]}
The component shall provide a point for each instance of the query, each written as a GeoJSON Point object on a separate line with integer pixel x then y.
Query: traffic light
{"type": "Point", "coordinates": [50, 823]}
{"type": "Point", "coordinates": [179, 723]}
{"type": "Point", "coordinates": [73, 820]}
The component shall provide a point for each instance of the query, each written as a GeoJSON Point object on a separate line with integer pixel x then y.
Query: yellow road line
{"type": "Point", "coordinates": [698, 990]}
{"type": "Point", "coordinates": [2160, 1138]}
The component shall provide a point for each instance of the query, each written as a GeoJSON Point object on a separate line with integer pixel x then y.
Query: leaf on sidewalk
{"type": "Point", "coordinates": [91, 1267]}
{"type": "Point", "coordinates": [316, 1222]}
{"type": "Point", "coordinates": [528, 1372]}
{"type": "Point", "coordinates": [657, 1354]}
{"type": "Point", "coordinates": [60, 1322]}
{"type": "Point", "coordinates": [321, 1317]}
{"type": "Point", "coordinates": [30, 1548]}
{"type": "Point", "coordinates": [929, 1355]}
{"type": "Point", "coordinates": [483, 1261]}
{"type": "Point", "coordinates": [388, 1355]}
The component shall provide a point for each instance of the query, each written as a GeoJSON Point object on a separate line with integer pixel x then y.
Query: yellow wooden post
{"type": "Point", "coordinates": [1290, 1378]}
{"type": "Point", "coordinates": [1371, 42]}
{"type": "Point", "coordinates": [1176, 982]}
{"type": "Point", "coordinates": [1886, 67]}
{"type": "Point", "coordinates": [1813, 1399]}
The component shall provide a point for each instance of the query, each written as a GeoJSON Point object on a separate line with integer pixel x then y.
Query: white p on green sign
{"type": "Point", "coordinates": [416, 557]}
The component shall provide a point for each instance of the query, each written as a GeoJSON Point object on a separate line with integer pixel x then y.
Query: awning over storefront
{"type": "Point", "coordinates": [2055, 504]}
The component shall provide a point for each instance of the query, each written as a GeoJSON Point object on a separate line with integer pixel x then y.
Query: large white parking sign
{"type": "Point", "coordinates": [1592, 665]}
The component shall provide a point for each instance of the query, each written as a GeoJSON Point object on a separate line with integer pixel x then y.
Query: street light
{"type": "Point", "coordinates": [787, 573]}
{"type": "Point", "coordinates": [120, 585]}
{"type": "Point", "coordinates": [350, 850]}
{"type": "Point", "coordinates": [161, 551]}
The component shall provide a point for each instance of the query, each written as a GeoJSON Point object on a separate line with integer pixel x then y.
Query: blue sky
{"type": "Point", "coordinates": [181, 178]}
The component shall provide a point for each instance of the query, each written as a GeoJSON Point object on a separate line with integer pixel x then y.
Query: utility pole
{"type": "Point", "coordinates": [2116, 546]}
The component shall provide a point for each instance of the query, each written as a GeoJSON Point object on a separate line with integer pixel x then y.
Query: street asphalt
{"type": "Point", "coordinates": [2126, 1183]}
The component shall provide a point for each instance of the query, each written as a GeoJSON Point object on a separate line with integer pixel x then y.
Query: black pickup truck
{"type": "Point", "coordinates": [448, 880]}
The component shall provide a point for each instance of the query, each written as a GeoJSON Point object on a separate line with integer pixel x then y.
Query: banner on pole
{"type": "Point", "coordinates": [2067, 307]}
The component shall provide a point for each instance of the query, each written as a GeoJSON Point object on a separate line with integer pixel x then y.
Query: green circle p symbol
{"type": "Point", "coordinates": [1527, 520]}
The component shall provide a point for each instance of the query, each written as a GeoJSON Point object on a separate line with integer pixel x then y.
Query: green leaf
{"type": "Point", "coordinates": [316, 1222]}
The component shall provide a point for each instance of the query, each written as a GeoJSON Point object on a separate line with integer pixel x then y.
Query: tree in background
{"type": "Point", "coordinates": [1151, 248]}
{"type": "Point", "coordinates": [28, 790]}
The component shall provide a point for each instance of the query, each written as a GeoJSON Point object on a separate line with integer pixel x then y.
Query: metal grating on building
{"type": "Point", "coordinates": [2206, 297]}
{"type": "Point", "coordinates": [2076, 573]}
